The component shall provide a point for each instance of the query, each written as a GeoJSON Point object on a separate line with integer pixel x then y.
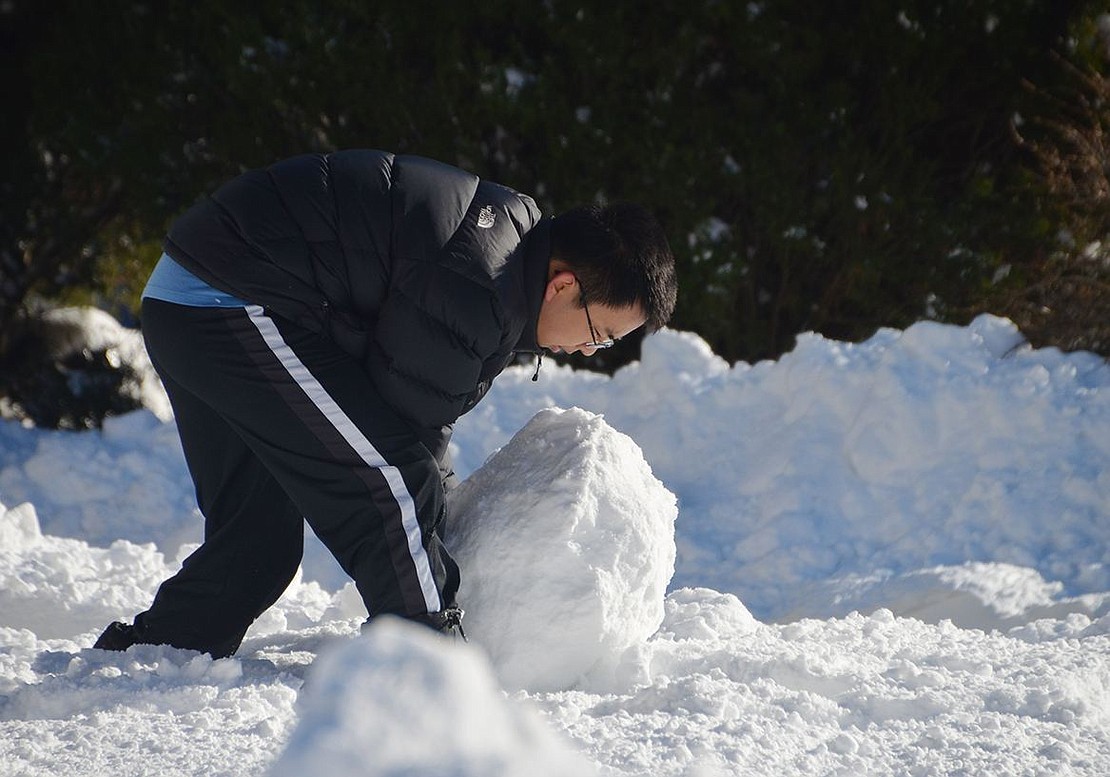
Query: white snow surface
{"type": "Point", "coordinates": [893, 557]}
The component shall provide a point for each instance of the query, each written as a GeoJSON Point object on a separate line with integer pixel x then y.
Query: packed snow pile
{"type": "Point", "coordinates": [69, 367]}
{"type": "Point", "coordinates": [398, 702]}
{"type": "Point", "coordinates": [94, 330]}
{"type": "Point", "coordinates": [59, 587]}
{"type": "Point", "coordinates": [567, 540]}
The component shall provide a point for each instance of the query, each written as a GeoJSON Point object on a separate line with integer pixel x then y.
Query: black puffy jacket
{"type": "Point", "coordinates": [418, 269]}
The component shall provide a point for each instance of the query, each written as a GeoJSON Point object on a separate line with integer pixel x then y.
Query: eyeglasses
{"type": "Point", "coordinates": [594, 342]}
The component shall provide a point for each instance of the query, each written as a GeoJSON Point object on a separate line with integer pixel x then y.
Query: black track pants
{"type": "Point", "coordinates": [279, 426]}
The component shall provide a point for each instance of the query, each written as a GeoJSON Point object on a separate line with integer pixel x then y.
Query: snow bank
{"type": "Point", "coordinates": [96, 330]}
{"type": "Point", "coordinates": [59, 587]}
{"type": "Point", "coordinates": [402, 700]}
{"type": "Point", "coordinates": [972, 595]}
{"type": "Point", "coordinates": [71, 335]}
{"type": "Point", "coordinates": [126, 481]}
{"type": "Point", "coordinates": [936, 446]}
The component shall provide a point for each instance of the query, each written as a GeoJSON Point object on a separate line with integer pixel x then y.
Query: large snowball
{"type": "Point", "coordinates": [402, 700]}
{"type": "Point", "coordinates": [566, 544]}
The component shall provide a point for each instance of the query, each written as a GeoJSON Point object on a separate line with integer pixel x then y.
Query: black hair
{"type": "Point", "coordinates": [620, 256]}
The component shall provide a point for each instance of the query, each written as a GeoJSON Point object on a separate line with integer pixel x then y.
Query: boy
{"type": "Point", "coordinates": [319, 326]}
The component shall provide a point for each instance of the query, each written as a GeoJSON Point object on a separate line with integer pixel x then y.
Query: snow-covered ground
{"type": "Point", "coordinates": [883, 558]}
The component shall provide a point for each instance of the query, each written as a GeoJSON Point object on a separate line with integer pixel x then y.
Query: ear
{"type": "Point", "coordinates": [560, 281]}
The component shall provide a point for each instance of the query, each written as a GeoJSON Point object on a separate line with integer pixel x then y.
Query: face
{"type": "Point", "coordinates": [563, 327]}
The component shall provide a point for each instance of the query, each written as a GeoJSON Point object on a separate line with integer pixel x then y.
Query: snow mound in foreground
{"type": "Point", "coordinates": [401, 700]}
{"type": "Point", "coordinates": [567, 542]}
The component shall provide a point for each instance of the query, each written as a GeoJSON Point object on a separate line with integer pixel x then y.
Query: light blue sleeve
{"type": "Point", "coordinates": [170, 282]}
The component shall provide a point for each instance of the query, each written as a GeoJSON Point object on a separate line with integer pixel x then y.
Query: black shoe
{"type": "Point", "coordinates": [118, 636]}
{"type": "Point", "coordinates": [447, 621]}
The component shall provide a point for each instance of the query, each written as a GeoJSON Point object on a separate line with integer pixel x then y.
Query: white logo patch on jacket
{"type": "Point", "coordinates": [486, 217]}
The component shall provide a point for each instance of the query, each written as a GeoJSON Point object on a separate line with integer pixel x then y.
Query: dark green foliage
{"type": "Point", "coordinates": [832, 166]}
{"type": "Point", "coordinates": [1064, 299]}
